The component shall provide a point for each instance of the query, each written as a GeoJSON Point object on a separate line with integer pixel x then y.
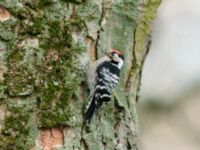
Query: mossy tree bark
{"type": "Point", "coordinates": [45, 49]}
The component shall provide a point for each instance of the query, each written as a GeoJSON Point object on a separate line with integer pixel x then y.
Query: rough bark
{"type": "Point", "coordinates": [45, 48]}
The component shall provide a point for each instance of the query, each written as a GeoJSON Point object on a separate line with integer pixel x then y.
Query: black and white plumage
{"type": "Point", "coordinates": [103, 77]}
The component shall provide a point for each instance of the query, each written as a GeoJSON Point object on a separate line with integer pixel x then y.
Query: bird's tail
{"type": "Point", "coordinates": [90, 110]}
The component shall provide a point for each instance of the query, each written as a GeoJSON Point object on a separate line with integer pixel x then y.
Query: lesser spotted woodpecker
{"type": "Point", "coordinates": [102, 78]}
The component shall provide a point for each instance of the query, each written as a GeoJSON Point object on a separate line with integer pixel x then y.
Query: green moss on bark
{"type": "Point", "coordinates": [17, 132]}
{"type": "Point", "coordinates": [43, 75]}
{"type": "Point", "coordinates": [59, 83]}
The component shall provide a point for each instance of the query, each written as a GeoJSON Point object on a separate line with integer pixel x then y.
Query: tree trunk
{"type": "Point", "coordinates": [45, 48]}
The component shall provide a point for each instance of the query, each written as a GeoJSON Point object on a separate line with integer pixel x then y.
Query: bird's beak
{"type": "Point", "coordinates": [109, 55]}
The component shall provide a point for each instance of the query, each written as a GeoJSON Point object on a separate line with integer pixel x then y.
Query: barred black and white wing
{"type": "Point", "coordinates": [107, 77]}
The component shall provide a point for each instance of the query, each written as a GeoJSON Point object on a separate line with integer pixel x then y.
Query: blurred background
{"type": "Point", "coordinates": [169, 106]}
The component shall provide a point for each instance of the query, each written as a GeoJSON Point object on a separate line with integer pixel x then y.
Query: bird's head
{"type": "Point", "coordinates": [116, 56]}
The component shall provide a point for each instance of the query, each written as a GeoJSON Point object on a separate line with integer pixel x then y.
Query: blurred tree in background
{"type": "Point", "coordinates": [170, 93]}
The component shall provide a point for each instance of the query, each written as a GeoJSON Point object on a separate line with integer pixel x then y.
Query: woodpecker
{"type": "Point", "coordinates": [102, 78]}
